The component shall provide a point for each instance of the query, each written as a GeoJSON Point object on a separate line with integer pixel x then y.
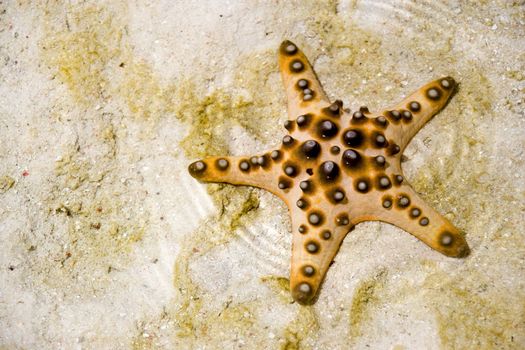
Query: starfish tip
{"type": "Point", "coordinates": [453, 244]}
{"type": "Point", "coordinates": [197, 169]}
{"type": "Point", "coordinates": [445, 86]}
{"type": "Point", "coordinates": [286, 42]}
{"type": "Point", "coordinates": [303, 293]}
{"type": "Point", "coordinates": [288, 48]}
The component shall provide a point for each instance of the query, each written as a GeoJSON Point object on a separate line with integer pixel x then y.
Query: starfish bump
{"type": "Point", "coordinates": [335, 169]}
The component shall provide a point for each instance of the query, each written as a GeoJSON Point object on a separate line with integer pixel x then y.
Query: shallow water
{"type": "Point", "coordinates": [107, 242]}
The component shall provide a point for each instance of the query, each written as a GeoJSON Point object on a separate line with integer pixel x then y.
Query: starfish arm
{"type": "Point", "coordinates": [312, 254]}
{"type": "Point", "coordinates": [405, 209]}
{"type": "Point", "coordinates": [411, 114]}
{"type": "Point", "coordinates": [258, 171]}
{"type": "Point", "coordinates": [303, 89]}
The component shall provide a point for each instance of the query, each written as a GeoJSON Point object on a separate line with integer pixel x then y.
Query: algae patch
{"type": "Point", "coordinates": [93, 58]}
{"type": "Point", "coordinates": [235, 206]}
{"type": "Point", "coordinates": [303, 328]}
{"type": "Point", "coordinates": [96, 224]}
{"type": "Point", "coordinates": [143, 92]}
{"type": "Point", "coordinates": [365, 300]}
{"type": "Point", "coordinates": [211, 119]}
{"type": "Point", "coordinates": [82, 53]}
{"type": "Point", "coordinates": [6, 182]}
{"type": "Point", "coordinates": [346, 55]}
{"type": "Point", "coordinates": [471, 315]}
{"type": "Point", "coordinates": [230, 324]}
{"type": "Point", "coordinates": [211, 116]}
{"type": "Point", "coordinates": [252, 104]}
{"type": "Point", "coordinates": [280, 286]}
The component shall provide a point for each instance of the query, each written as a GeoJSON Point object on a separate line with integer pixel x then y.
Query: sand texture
{"type": "Point", "coordinates": [107, 242]}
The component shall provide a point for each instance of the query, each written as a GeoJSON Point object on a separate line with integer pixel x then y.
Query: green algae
{"type": "Point", "coordinates": [145, 94]}
{"type": "Point", "coordinates": [235, 205]}
{"type": "Point", "coordinates": [6, 183]}
{"type": "Point", "coordinates": [91, 206]}
{"type": "Point", "coordinates": [366, 299]}
{"type": "Point", "coordinates": [82, 54]}
{"type": "Point", "coordinates": [231, 320]}
{"type": "Point", "coordinates": [280, 286]}
{"type": "Point", "coordinates": [96, 226]}
{"type": "Point", "coordinates": [471, 316]}
{"type": "Point", "coordinates": [398, 347]}
{"type": "Point", "coordinates": [143, 342]}
{"type": "Point", "coordinates": [304, 327]}
{"type": "Point", "coordinates": [211, 116]}
{"type": "Point", "coordinates": [476, 93]}
{"type": "Point", "coordinates": [97, 229]}
{"type": "Point", "coordinates": [351, 50]}
{"type": "Point", "coordinates": [95, 62]}
{"type": "Point", "coordinates": [470, 312]}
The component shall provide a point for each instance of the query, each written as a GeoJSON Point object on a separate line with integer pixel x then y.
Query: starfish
{"type": "Point", "coordinates": [335, 169]}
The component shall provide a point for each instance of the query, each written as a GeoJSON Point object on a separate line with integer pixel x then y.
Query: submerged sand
{"type": "Point", "coordinates": [106, 241]}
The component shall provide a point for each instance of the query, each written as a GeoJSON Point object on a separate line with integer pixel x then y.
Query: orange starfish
{"type": "Point", "coordinates": [335, 169]}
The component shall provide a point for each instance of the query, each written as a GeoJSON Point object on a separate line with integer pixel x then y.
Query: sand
{"type": "Point", "coordinates": [107, 243]}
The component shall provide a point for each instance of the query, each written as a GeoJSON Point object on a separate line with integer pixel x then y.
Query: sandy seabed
{"type": "Point", "coordinates": [107, 242]}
